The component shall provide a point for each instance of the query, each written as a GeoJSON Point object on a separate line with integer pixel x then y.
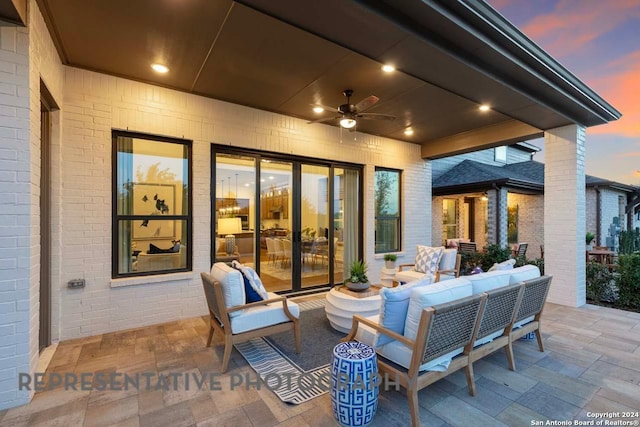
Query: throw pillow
{"type": "Point", "coordinates": [250, 294]}
{"type": "Point", "coordinates": [428, 258]}
{"type": "Point", "coordinates": [394, 306]}
{"type": "Point", "coordinates": [153, 249]}
{"type": "Point", "coordinates": [232, 285]}
{"type": "Point", "coordinates": [253, 278]}
{"type": "Point", "coordinates": [504, 265]}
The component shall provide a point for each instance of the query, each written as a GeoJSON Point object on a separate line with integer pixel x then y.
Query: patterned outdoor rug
{"type": "Point", "coordinates": [296, 378]}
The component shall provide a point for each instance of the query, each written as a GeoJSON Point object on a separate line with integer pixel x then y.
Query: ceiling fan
{"type": "Point", "coordinates": [349, 113]}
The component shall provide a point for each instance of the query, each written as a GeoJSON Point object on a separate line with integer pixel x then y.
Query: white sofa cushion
{"type": "Point", "coordinates": [428, 259]}
{"type": "Point", "coordinates": [490, 280]}
{"type": "Point", "coordinates": [263, 315]}
{"type": "Point", "coordinates": [394, 305]}
{"type": "Point", "coordinates": [427, 296]}
{"type": "Point", "coordinates": [232, 285]}
{"type": "Point", "coordinates": [526, 272]}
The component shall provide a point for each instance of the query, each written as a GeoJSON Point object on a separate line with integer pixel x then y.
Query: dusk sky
{"type": "Point", "coordinates": [599, 42]}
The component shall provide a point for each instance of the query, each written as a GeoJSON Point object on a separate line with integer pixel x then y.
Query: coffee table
{"type": "Point", "coordinates": [342, 304]}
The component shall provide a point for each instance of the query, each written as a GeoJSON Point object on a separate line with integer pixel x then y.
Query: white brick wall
{"type": "Point", "coordinates": [564, 214]}
{"type": "Point", "coordinates": [530, 221]}
{"type": "Point", "coordinates": [96, 103]}
{"type": "Point", "coordinates": [14, 213]}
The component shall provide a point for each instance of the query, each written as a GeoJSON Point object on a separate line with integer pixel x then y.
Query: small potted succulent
{"type": "Point", "coordinates": [358, 280]}
{"type": "Point", "coordinates": [390, 261]}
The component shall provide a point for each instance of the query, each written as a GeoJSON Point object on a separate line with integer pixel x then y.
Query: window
{"type": "Point", "coordinates": [449, 219]}
{"type": "Point", "coordinates": [387, 210]}
{"type": "Point", "coordinates": [500, 154]}
{"type": "Point", "coordinates": [152, 204]}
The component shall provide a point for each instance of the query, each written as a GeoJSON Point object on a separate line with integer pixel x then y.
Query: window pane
{"type": "Point", "coordinates": [387, 210]}
{"type": "Point", "coordinates": [146, 254]}
{"type": "Point", "coordinates": [152, 205]}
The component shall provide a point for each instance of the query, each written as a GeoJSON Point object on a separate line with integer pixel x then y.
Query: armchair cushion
{"type": "Point", "coordinates": [263, 315]}
{"type": "Point", "coordinates": [232, 286]}
{"type": "Point", "coordinates": [428, 258]}
{"type": "Point", "coordinates": [255, 287]}
{"type": "Point", "coordinates": [408, 276]}
{"type": "Point", "coordinates": [393, 310]}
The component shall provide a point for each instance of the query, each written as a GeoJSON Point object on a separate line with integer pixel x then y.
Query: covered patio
{"type": "Point", "coordinates": [243, 76]}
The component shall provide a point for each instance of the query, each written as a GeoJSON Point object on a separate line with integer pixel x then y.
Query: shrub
{"type": "Point", "coordinates": [628, 280]}
{"type": "Point", "coordinates": [629, 241]}
{"type": "Point", "coordinates": [494, 254]}
{"type": "Point", "coordinates": [598, 281]}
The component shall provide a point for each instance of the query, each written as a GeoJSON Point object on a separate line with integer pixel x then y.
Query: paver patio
{"type": "Point", "coordinates": [591, 364]}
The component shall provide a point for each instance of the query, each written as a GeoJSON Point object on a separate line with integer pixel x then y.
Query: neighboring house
{"type": "Point", "coordinates": [496, 196]}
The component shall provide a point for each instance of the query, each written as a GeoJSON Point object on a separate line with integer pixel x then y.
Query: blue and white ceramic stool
{"type": "Point", "coordinates": [354, 383]}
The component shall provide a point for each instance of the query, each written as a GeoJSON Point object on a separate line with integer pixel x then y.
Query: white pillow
{"type": "Point", "coordinates": [393, 310]}
{"type": "Point", "coordinates": [504, 265]}
{"type": "Point", "coordinates": [232, 285]}
{"type": "Point", "coordinates": [428, 258]}
{"type": "Point", "coordinates": [254, 279]}
{"type": "Point", "coordinates": [427, 296]}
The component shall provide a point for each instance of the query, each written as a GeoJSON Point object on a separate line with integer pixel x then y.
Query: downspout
{"type": "Point", "coordinates": [498, 236]}
{"type": "Point", "coordinates": [598, 206]}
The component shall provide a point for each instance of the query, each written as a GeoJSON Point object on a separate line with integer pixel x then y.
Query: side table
{"type": "Point", "coordinates": [388, 276]}
{"type": "Point", "coordinates": [354, 383]}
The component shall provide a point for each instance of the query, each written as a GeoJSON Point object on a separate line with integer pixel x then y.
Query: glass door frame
{"type": "Point", "coordinates": [296, 214]}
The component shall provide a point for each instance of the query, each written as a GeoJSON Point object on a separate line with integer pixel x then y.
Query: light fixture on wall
{"type": "Point", "coordinates": [484, 198]}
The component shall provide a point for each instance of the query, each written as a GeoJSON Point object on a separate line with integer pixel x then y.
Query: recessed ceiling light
{"type": "Point", "coordinates": [408, 131]}
{"type": "Point", "coordinates": [271, 177]}
{"type": "Point", "coordinates": [484, 107]}
{"type": "Point", "coordinates": [247, 184]}
{"type": "Point", "coordinates": [318, 110]}
{"type": "Point", "coordinates": [262, 180]}
{"type": "Point", "coordinates": [159, 68]}
{"type": "Point", "coordinates": [388, 68]}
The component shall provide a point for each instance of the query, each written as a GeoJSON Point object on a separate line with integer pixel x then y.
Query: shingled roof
{"type": "Point", "coordinates": [470, 175]}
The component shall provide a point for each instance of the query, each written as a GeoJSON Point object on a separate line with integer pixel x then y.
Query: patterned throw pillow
{"type": "Point", "coordinates": [428, 258]}
{"type": "Point", "coordinates": [253, 280]}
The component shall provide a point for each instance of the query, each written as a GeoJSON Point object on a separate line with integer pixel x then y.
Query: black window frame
{"type": "Point", "coordinates": [399, 216]}
{"type": "Point", "coordinates": [116, 217]}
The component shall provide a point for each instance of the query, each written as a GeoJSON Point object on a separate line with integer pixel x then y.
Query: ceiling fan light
{"type": "Point", "coordinates": [347, 123]}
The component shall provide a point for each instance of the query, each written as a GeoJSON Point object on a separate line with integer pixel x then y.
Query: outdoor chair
{"type": "Point", "coordinates": [243, 322]}
{"type": "Point", "coordinates": [443, 328]}
{"type": "Point", "coordinates": [448, 268]}
{"type": "Point", "coordinates": [521, 250]}
{"type": "Point", "coordinates": [467, 247]}
{"type": "Point", "coordinates": [530, 310]}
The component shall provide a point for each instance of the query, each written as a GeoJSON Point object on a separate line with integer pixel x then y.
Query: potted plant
{"type": "Point", "coordinates": [590, 237]}
{"type": "Point", "coordinates": [357, 280]}
{"type": "Point", "coordinates": [390, 261]}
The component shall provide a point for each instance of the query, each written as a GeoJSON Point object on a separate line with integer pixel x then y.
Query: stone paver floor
{"type": "Point", "coordinates": [591, 365]}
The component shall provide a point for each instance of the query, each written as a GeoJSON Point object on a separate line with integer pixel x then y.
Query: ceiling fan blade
{"type": "Point", "coordinates": [376, 116]}
{"type": "Point", "coordinates": [331, 109]}
{"type": "Point", "coordinates": [367, 103]}
{"type": "Point", "coordinates": [324, 119]}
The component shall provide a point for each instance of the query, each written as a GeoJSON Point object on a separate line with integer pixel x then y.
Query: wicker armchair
{"type": "Point", "coordinates": [443, 328]}
{"type": "Point", "coordinates": [221, 321]}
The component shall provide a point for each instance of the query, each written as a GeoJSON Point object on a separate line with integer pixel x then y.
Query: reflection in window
{"type": "Point", "coordinates": [152, 218]}
{"type": "Point", "coordinates": [449, 219]}
{"type": "Point", "coordinates": [387, 210]}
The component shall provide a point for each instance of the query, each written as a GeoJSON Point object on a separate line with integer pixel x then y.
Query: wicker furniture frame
{"type": "Point", "coordinates": [447, 326]}
{"type": "Point", "coordinates": [442, 329]}
{"type": "Point", "coordinates": [220, 321]}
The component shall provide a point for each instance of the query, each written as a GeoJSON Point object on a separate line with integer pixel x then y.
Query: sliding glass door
{"type": "Point", "coordinates": [299, 219]}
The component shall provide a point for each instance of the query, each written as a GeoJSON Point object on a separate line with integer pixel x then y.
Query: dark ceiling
{"type": "Point", "coordinates": [284, 56]}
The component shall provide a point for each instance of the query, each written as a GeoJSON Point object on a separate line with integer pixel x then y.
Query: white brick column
{"type": "Point", "coordinates": [564, 214]}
